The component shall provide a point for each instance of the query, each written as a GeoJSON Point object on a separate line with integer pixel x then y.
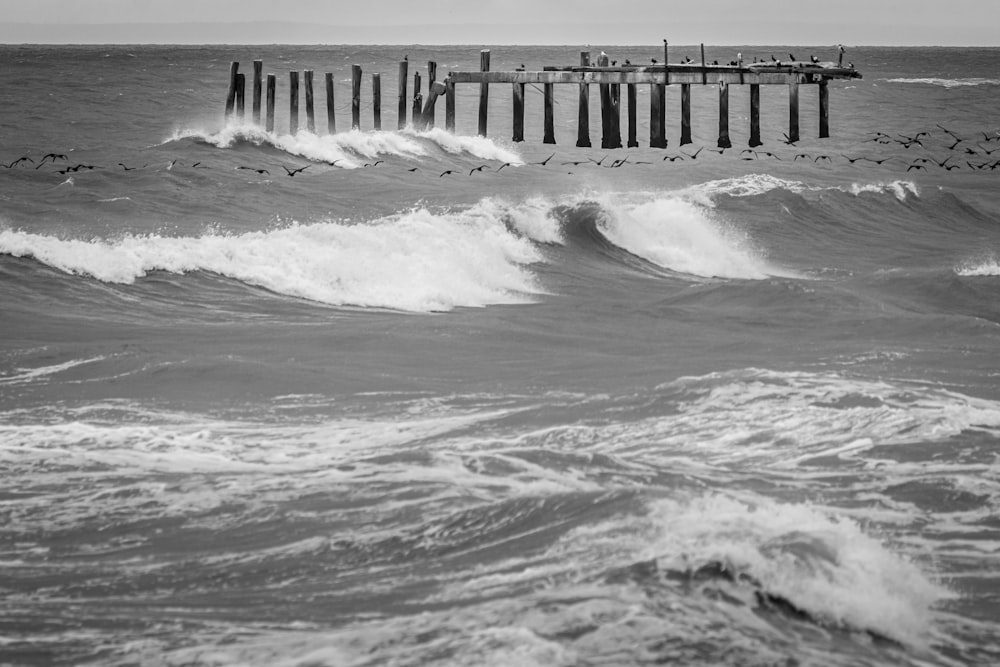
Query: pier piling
{"type": "Point", "coordinates": [549, 135]}
{"type": "Point", "coordinates": [241, 86]}
{"type": "Point", "coordinates": [331, 116]}
{"type": "Point", "coordinates": [518, 118]}
{"type": "Point", "coordinates": [793, 111]}
{"type": "Point", "coordinates": [293, 104]}
{"type": "Point", "coordinates": [484, 91]}
{"type": "Point", "coordinates": [377, 101]}
{"type": "Point", "coordinates": [724, 141]}
{"type": "Point", "coordinates": [310, 108]}
{"type": "Point", "coordinates": [755, 116]}
{"type": "Point", "coordinates": [234, 69]}
{"type": "Point", "coordinates": [355, 97]}
{"type": "Point", "coordinates": [449, 104]}
{"type": "Point", "coordinates": [685, 114]}
{"type": "Point", "coordinates": [824, 110]}
{"type": "Point", "coordinates": [258, 69]}
{"type": "Point", "coordinates": [431, 80]}
{"type": "Point", "coordinates": [269, 117]}
{"type": "Point", "coordinates": [583, 117]}
{"type": "Point", "coordinates": [632, 141]}
{"type": "Point", "coordinates": [418, 103]}
{"type": "Point", "coordinates": [401, 111]}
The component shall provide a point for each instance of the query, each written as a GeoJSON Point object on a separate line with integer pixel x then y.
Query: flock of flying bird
{"type": "Point", "coordinates": [974, 152]}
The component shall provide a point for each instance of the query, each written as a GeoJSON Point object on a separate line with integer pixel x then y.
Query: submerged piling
{"type": "Point", "coordinates": [377, 100]}
{"type": "Point", "coordinates": [234, 69]}
{"type": "Point", "coordinates": [431, 80]}
{"type": "Point", "coordinates": [293, 104]}
{"type": "Point", "coordinates": [310, 109]}
{"type": "Point", "coordinates": [401, 85]}
{"type": "Point", "coordinates": [271, 85]}
{"type": "Point", "coordinates": [484, 91]}
{"type": "Point", "coordinates": [240, 96]}
{"type": "Point", "coordinates": [258, 69]}
{"type": "Point", "coordinates": [331, 117]}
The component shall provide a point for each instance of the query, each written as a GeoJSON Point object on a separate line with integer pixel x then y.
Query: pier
{"type": "Point", "coordinates": [608, 78]}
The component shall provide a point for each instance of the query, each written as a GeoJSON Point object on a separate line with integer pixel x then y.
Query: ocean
{"type": "Point", "coordinates": [726, 408]}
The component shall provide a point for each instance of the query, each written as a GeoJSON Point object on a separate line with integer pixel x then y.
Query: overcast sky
{"type": "Point", "coordinates": [892, 22]}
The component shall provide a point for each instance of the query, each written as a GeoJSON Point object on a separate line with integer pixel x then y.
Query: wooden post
{"type": "Point", "coordinates": [310, 108]}
{"type": "Point", "coordinates": [234, 69]}
{"type": "Point", "coordinates": [793, 111]}
{"type": "Point", "coordinates": [258, 69]}
{"type": "Point", "coordinates": [685, 113]}
{"type": "Point", "coordinates": [331, 117]}
{"type": "Point", "coordinates": [824, 110]}
{"type": "Point", "coordinates": [377, 100]}
{"type": "Point", "coordinates": [755, 116]}
{"type": "Point", "coordinates": [605, 94]}
{"type": "Point", "coordinates": [449, 105]}
{"type": "Point", "coordinates": [401, 114]}
{"type": "Point", "coordinates": [724, 141]}
{"type": "Point", "coordinates": [241, 86]}
{"type": "Point", "coordinates": [550, 132]}
{"type": "Point", "coordinates": [431, 80]}
{"type": "Point", "coordinates": [658, 115]}
{"type": "Point", "coordinates": [518, 112]}
{"type": "Point", "coordinates": [583, 118]}
{"type": "Point", "coordinates": [418, 103]}
{"type": "Point", "coordinates": [355, 97]}
{"type": "Point", "coordinates": [632, 142]}
{"type": "Point", "coordinates": [704, 72]}
{"type": "Point", "coordinates": [293, 104]}
{"type": "Point", "coordinates": [484, 91]}
{"type": "Point", "coordinates": [436, 90]}
{"type": "Point", "coordinates": [269, 122]}
{"type": "Point", "coordinates": [615, 92]}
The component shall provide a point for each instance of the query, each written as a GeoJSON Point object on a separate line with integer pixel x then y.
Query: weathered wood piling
{"type": "Point", "coordinates": [609, 79]}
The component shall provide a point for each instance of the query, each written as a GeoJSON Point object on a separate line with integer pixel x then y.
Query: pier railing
{"type": "Point", "coordinates": [608, 78]}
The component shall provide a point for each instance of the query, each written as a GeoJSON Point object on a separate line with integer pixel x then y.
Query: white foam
{"type": "Point", "coordinates": [682, 236]}
{"type": "Point", "coordinates": [948, 83]}
{"type": "Point", "coordinates": [822, 564]}
{"type": "Point", "coordinates": [901, 189]}
{"type": "Point", "coordinates": [985, 267]}
{"type": "Point", "coordinates": [751, 185]}
{"type": "Point", "coordinates": [415, 260]}
{"type": "Point", "coordinates": [480, 147]}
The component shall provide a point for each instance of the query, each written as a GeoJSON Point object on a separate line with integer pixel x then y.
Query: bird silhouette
{"type": "Point", "coordinates": [695, 156]}
{"type": "Point", "coordinates": [505, 164]}
{"type": "Point", "coordinates": [545, 161]}
{"type": "Point", "coordinates": [291, 172]}
{"type": "Point", "coordinates": [372, 164]}
{"type": "Point", "coordinates": [259, 171]}
{"type": "Point", "coordinates": [479, 168]}
{"type": "Point", "coordinates": [672, 158]}
{"type": "Point", "coordinates": [915, 166]}
{"type": "Point", "coordinates": [18, 161]}
{"type": "Point", "coordinates": [852, 160]}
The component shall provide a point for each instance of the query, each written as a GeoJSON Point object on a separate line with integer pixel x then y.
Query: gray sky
{"type": "Point", "coordinates": [891, 22]}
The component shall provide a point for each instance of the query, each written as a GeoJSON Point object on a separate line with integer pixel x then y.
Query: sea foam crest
{"type": "Point", "coordinates": [416, 260]}
{"type": "Point", "coordinates": [825, 565]}
{"type": "Point", "coordinates": [752, 185]}
{"type": "Point", "coordinates": [682, 236]}
{"type": "Point", "coordinates": [948, 83]}
{"type": "Point", "coordinates": [352, 148]}
{"type": "Point", "coordinates": [986, 267]}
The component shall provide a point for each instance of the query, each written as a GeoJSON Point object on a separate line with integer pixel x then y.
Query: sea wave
{"type": "Point", "coordinates": [353, 148]}
{"type": "Point", "coordinates": [416, 260]}
{"type": "Point", "coordinates": [985, 267]}
{"type": "Point", "coordinates": [947, 83]}
{"type": "Point", "coordinates": [752, 185]}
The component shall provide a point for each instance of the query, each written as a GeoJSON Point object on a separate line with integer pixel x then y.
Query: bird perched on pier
{"type": "Point", "coordinates": [813, 59]}
{"type": "Point", "coordinates": [652, 60]}
{"type": "Point", "coordinates": [629, 62]}
{"type": "Point", "coordinates": [792, 58]}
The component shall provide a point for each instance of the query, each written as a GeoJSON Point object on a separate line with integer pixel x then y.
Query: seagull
{"type": "Point", "coordinates": [291, 172]}
{"type": "Point", "coordinates": [259, 171]}
{"type": "Point", "coordinates": [505, 164]}
{"type": "Point", "coordinates": [695, 156]}
{"type": "Point", "coordinates": [479, 168]}
{"type": "Point", "coordinates": [19, 161]}
{"type": "Point", "coordinates": [449, 171]}
{"type": "Point", "coordinates": [545, 161]}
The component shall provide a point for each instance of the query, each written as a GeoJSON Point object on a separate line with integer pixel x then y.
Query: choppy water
{"type": "Point", "coordinates": [739, 409]}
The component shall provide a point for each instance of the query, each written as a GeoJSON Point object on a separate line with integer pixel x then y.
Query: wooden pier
{"type": "Point", "coordinates": [609, 80]}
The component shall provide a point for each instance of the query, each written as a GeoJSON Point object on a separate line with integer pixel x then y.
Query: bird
{"type": "Point", "coordinates": [951, 166]}
{"type": "Point", "coordinates": [199, 165]}
{"type": "Point", "coordinates": [652, 60]}
{"type": "Point", "coordinates": [259, 171]}
{"type": "Point", "coordinates": [505, 164]}
{"type": "Point", "coordinates": [885, 159]}
{"type": "Point", "coordinates": [171, 165]}
{"type": "Point", "coordinates": [598, 162]}
{"type": "Point", "coordinates": [759, 153]}
{"type": "Point", "coordinates": [672, 158]}
{"type": "Point", "coordinates": [792, 58]}
{"type": "Point", "coordinates": [805, 156]}
{"type": "Point", "coordinates": [413, 169]}
{"type": "Point", "coordinates": [291, 172]}
{"type": "Point", "coordinates": [813, 59]}
{"type": "Point", "coordinates": [578, 162]}
{"type": "Point", "coordinates": [695, 156]}
{"type": "Point", "coordinates": [545, 161]}
{"type": "Point", "coordinates": [947, 131]}
{"type": "Point", "coordinates": [479, 168]}
{"type": "Point", "coordinates": [618, 163]}
{"type": "Point", "coordinates": [447, 171]}
{"type": "Point", "coordinates": [371, 164]}
{"type": "Point", "coordinates": [788, 140]}
{"type": "Point", "coordinates": [852, 160]}
{"type": "Point", "coordinates": [822, 157]}
{"type": "Point", "coordinates": [332, 164]}
{"type": "Point", "coordinates": [19, 161]}
{"type": "Point", "coordinates": [122, 165]}
{"type": "Point", "coordinates": [915, 166]}
{"type": "Point", "coordinates": [52, 156]}
{"type": "Point", "coordinates": [957, 142]}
